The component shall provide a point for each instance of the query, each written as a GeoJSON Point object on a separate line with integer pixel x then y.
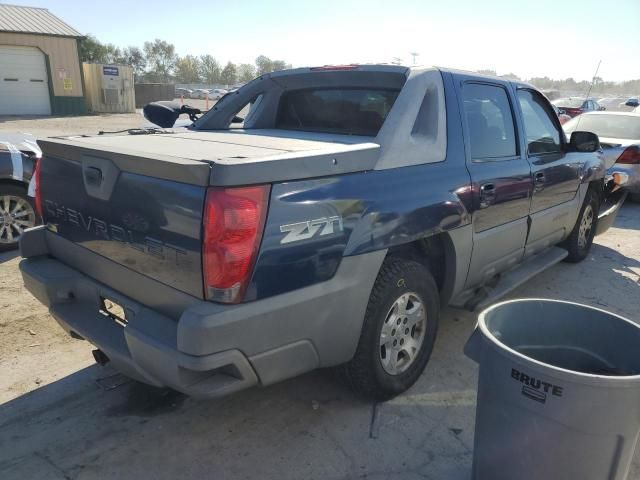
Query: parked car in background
{"type": "Point", "coordinates": [201, 93]}
{"type": "Point", "coordinates": [183, 92]}
{"type": "Point", "coordinates": [19, 154]}
{"type": "Point", "coordinates": [217, 93]}
{"type": "Point", "coordinates": [611, 103]}
{"type": "Point", "coordinates": [563, 117]}
{"type": "Point", "coordinates": [574, 106]}
{"type": "Point", "coordinates": [629, 105]}
{"type": "Point", "coordinates": [619, 134]}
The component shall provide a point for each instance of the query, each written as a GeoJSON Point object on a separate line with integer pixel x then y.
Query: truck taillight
{"type": "Point", "coordinates": [233, 224]}
{"type": "Point", "coordinates": [630, 156]}
{"type": "Point", "coordinates": [37, 189]}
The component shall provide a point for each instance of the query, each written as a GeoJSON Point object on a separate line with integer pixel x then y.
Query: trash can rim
{"type": "Point", "coordinates": [497, 343]}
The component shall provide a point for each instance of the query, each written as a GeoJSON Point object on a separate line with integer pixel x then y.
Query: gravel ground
{"type": "Point", "coordinates": [63, 417]}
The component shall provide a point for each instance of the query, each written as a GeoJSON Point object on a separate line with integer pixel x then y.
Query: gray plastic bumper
{"type": "Point", "coordinates": [211, 349]}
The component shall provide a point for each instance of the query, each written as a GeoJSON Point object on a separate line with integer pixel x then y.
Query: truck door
{"type": "Point", "coordinates": [500, 176]}
{"type": "Point", "coordinates": [556, 174]}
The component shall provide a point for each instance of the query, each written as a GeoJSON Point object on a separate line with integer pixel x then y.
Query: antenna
{"type": "Point", "coordinates": [593, 80]}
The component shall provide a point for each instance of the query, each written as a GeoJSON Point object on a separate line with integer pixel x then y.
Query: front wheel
{"type": "Point", "coordinates": [398, 333]}
{"type": "Point", "coordinates": [580, 240]}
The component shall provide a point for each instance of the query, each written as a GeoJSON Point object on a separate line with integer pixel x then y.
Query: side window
{"type": "Point", "coordinates": [247, 113]}
{"type": "Point", "coordinates": [542, 134]}
{"type": "Point", "coordinates": [489, 121]}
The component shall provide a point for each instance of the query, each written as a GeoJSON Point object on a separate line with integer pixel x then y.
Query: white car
{"type": "Point", "coordinates": [619, 134]}
{"type": "Point", "coordinates": [611, 103]}
{"type": "Point", "coordinates": [200, 93]}
{"type": "Point", "coordinates": [217, 93]}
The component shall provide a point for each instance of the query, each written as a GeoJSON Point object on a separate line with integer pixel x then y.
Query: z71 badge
{"type": "Point", "coordinates": [305, 230]}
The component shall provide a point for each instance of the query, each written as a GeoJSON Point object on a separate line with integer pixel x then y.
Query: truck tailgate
{"type": "Point", "coordinates": [138, 200]}
{"type": "Point", "coordinates": [149, 224]}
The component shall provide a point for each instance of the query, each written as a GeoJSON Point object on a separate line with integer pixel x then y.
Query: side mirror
{"type": "Point", "coordinates": [585, 142]}
{"type": "Point", "coordinates": [165, 114]}
{"type": "Point", "coordinates": [632, 102]}
{"type": "Point", "coordinates": [602, 108]}
{"type": "Point", "coordinates": [561, 111]}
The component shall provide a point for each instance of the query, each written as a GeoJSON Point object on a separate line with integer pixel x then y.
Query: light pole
{"type": "Point", "coordinates": [414, 55]}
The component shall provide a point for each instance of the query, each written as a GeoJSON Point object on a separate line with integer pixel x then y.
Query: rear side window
{"type": "Point", "coordinates": [489, 121]}
{"type": "Point", "coordinates": [540, 128]}
{"type": "Point", "coordinates": [353, 111]}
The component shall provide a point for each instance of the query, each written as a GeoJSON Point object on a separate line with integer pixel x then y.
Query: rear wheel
{"type": "Point", "coordinates": [580, 240]}
{"type": "Point", "coordinates": [398, 333]}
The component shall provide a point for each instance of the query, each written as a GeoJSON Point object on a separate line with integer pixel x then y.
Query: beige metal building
{"type": "Point", "coordinates": [109, 88]}
{"type": "Point", "coordinates": [40, 70]}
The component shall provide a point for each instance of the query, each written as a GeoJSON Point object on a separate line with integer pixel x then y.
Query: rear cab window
{"type": "Point", "coordinates": [348, 111]}
{"type": "Point", "coordinates": [489, 119]}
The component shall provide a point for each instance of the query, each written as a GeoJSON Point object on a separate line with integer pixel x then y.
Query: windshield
{"type": "Point", "coordinates": [568, 102]}
{"type": "Point", "coordinates": [351, 111]}
{"type": "Point", "coordinates": [608, 126]}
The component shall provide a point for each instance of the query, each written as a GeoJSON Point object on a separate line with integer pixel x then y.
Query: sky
{"type": "Point", "coordinates": [555, 38]}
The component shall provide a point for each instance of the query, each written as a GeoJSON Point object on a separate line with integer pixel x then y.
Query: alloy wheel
{"type": "Point", "coordinates": [16, 215]}
{"type": "Point", "coordinates": [402, 333]}
{"type": "Point", "coordinates": [586, 224]}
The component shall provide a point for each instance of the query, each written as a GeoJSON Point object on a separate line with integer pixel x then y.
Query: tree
{"type": "Point", "coordinates": [229, 75]}
{"type": "Point", "coordinates": [135, 57]}
{"type": "Point", "coordinates": [511, 76]}
{"type": "Point", "coordinates": [188, 69]}
{"type": "Point", "coordinates": [246, 72]}
{"type": "Point", "coordinates": [263, 65]}
{"type": "Point", "coordinates": [266, 65]}
{"type": "Point", "coordinates": [486, 72]}
{"type": "Point", "coordinates": [277, 65]}
{"type": "Point", "coordinates": [161, 58]}
{"type": "Point", "coordinates": [91, 50]}
{"type": "Point", "coordinates": [112, 54]}
{"type": "Point", "coordinates": [209, 69]}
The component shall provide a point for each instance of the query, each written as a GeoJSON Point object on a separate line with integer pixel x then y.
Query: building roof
{"type": "Point", "coordinates": [19, 19]}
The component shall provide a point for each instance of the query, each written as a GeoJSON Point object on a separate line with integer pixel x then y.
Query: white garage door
{"type": "Point", "coordinates": [24, 88]}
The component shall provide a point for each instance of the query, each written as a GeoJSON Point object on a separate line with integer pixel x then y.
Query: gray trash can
{"type": "Point", "coordinates": [558, 392]}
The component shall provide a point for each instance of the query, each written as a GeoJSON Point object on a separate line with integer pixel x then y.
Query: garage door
{"type": "Point", "coordinates": [24, 88]}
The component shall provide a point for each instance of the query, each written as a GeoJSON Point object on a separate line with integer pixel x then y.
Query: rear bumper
{"type": "Point", "coordinates": [210, 349]}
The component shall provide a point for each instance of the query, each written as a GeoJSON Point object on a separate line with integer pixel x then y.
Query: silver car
{"type": "Point", "coordinates": [619, 134]}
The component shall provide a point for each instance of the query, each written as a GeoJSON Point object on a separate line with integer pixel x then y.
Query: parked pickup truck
{"type": "Point", "coordinates": [326, 229]}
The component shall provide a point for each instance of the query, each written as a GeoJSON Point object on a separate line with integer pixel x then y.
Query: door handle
{"type": "Point", "coordinates": [539, 180]}
{"type": "Point", "coordinates": [487, 194]}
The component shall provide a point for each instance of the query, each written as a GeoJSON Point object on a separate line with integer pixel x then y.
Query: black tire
{"type": "Point", "coordinates": [13, 191]}
{"type": "Point", "coordinates": [365, 373]}
{"type": "Point", "coordinates": [577, 244]}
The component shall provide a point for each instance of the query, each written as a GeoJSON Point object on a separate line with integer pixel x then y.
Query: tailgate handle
{"type": "Point", "coordinates": [93, 176]}
{"type": "Point", "coordinates": [99, 176]}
